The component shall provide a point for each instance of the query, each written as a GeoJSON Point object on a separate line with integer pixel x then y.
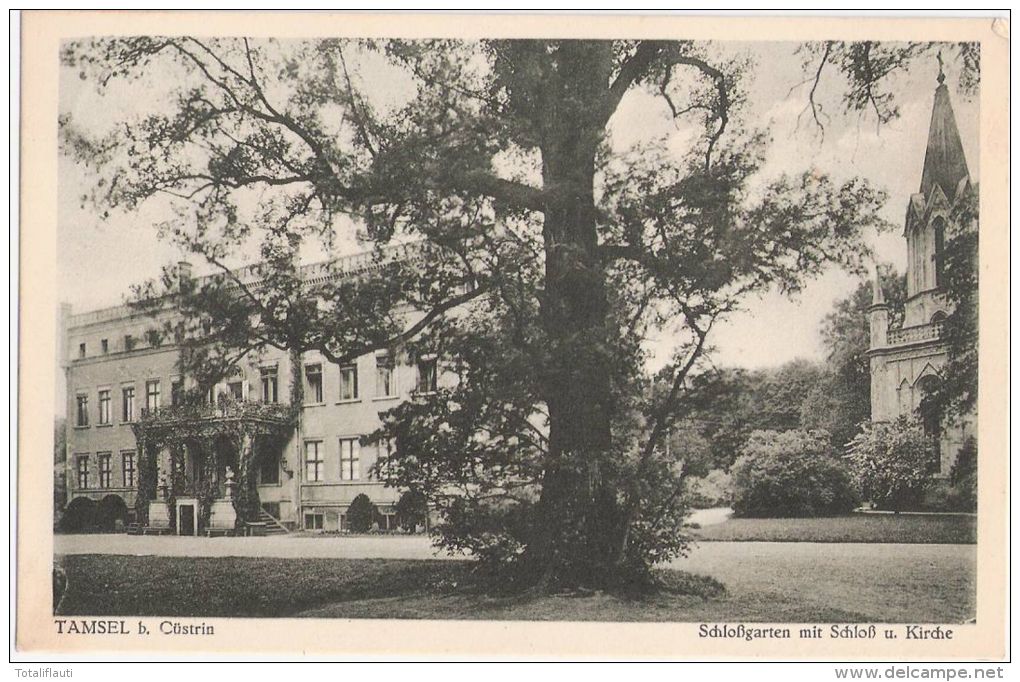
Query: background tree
{"type": "Point", "coordinates": [842, 399]}
{"type": "Point", "coordinates": [59, 467]}
{"type": "Point", "coordinates": [493, 159]}
{"type": "Point", "coordinates": [956, 393]}
{"type": "Point", "coordinates": [963, 477]}
{"type": "Point", "coordinates": [726, 405]}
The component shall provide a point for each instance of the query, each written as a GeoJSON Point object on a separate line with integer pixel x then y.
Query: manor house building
{"type": "Point", "coordinates": [305, 460]}
{"type": "Point", "coordinates": [906, 361]}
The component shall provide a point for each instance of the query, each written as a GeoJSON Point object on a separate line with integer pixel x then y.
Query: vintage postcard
{"type": "Point", "coordinates": [615, 337]}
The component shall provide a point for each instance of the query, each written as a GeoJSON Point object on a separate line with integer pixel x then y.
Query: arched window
{"type": "Point", "coordinates": [938, 256]}
{"type": "Point", "coordinates": [931, 418]}
{"type": "Point", "coordinates": [915, 265]}
{"type": "Point", "coordinates": [904, 397]}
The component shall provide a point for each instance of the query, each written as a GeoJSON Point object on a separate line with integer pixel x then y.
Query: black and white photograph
{"type": "Point", "coordinates": [517, 329]}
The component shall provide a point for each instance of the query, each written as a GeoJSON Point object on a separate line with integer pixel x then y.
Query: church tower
{"type": "Point", "coordinates": [905, 361]}
{"type": "Point", "coordinates": [944, 179]}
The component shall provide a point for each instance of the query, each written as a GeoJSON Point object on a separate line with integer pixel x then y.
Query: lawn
{"type": "Point", "coordinates": [791, 587]}
{"type": "Point", "coordinates": [895, 528]}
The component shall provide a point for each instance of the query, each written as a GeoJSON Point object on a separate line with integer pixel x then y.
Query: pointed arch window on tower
{"type": "Point", "coordinates": [931, 420]}
{"type": "Point", "coordinates": [915, 265]}
{"type": "Point", "coordinates": [939, 255]}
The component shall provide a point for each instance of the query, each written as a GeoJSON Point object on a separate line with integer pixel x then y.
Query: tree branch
{"type": "Point", "coordinates": [660, 417]}
{"type": "Point", "coordinates": [516, 194]}
{"type": "Point", "coordinates": [631, 72]}
{"type": "Point", "coordinates": [409, 333]}
{"type": "Point", "coordinates": [814, 86]}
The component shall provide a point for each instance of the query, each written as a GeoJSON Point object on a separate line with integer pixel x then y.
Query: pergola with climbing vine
{"type": "Point", "coordinates": [227, 433]}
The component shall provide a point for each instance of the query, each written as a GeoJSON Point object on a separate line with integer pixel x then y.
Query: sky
{"type": "Point", "coordinates": [99, 258]}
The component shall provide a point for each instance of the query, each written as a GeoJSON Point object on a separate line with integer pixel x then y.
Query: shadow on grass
{"type": "Point", "coordinates": [106, 585]}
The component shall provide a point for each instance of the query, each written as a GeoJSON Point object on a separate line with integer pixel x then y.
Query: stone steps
{"type": "Point", "coordinates": [273, 525]}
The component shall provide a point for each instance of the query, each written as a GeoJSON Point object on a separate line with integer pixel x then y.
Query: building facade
{"type": "Point", "coordinates": [299, 449]}
{"type": "Point", "coordinates": [906, 361]}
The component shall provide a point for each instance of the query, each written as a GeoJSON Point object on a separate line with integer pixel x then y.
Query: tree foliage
{"type": "Point", "coordinates": [892, 462]}
{"type": "Point", "coordinates": [842, 400]}
{"type": "Point", "coordinates": [412, 510]}
{"type": "Point", "coordinates": [727, 405]}
{"type": "Point", "coordinates": [714, 489]}
{"type": "Point", "coordinates": [59, 466]}
{"type": "Point", "coordinates": [540, 257]}
{"type": "Point", "coordinates": [790, 473]}
{"type": "Point", "coordinates": [956, 394]}
{"type": "Point", "coordinates": [963, 477]}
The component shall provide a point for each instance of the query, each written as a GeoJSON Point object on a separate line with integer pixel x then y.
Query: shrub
{"type": "Point", "coordinates": [890, 462]}
{"type": "Point", "coordinates": [963, 478]}
{"type": "Point", "coordinates": [80, 516]}
{"type": "Point", "coordinates": [411, 509]}
{"type": "Point", "coordinates": [361, 514]}
{"type": "Point", "coordinates": [673, 581]}
{"type": "Point", "coordinates": [712, 490]}
{"type": "Point", "coordinates": [792, 473]}
{"type": "Point", "coordinates": [109, 511]}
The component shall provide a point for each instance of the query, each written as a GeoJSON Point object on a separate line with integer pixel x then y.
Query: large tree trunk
{"type": "Point", "coordinates": [577, 516]}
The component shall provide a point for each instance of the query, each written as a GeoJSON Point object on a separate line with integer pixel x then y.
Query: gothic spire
{"type": "Point", "coordinates": [944, 162]}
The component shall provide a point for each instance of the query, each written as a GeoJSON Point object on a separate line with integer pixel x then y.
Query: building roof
{"type": "Point", "coordinates": [944, 163]}
{"type": "Point", "coordinates": [313, 273]}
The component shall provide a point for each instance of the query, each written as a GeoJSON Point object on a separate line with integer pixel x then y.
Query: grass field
{"type": "Point", "coordinates": [897, 528]}
{"type": "Point", "coordinates": [782, 583]}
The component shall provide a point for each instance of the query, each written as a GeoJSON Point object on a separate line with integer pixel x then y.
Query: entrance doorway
{"type": "Point", "coordinates": [187, 516]}
{"type": "Point", "coordinates": [187, 520]}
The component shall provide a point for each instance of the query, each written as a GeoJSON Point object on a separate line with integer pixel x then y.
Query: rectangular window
{"type": "Point", "coordinates": [105, 470]}
{"type": "Point", "coordinates": [314, 468]}
{"type": "Point", "coordinates": [384, 450]}
{"type": "Point", "coordinates": [83, 472]}
{"type": "Point", "coordinates": [104, 406]}
{"type": "Point", "coordinates": [313, 383]}
{"type": "Point", "coordinates": [350, 459]}
{"type": "Point", "coordinates": [349, 382]}
{"type": "Point", "coordinates": [104, 346]}
{"type": "Point", "coordinates": [129, 342]}
{"type": "Point", "coordinates": [427, 375]}
{"type": "Point", "coordinates": [128, 468]}
{"type": "Point", "coordinates": [82, 416]}
{"type": "Point", "coordinates": [313, 521]}
{"type": "Point", "coordinates": [128, 403]}
{"type": "Point", "coordinates": [384, 384]}
{"type": "Point", "coordinates": [269, 385]}
{"type": "Point", "coordinates": [177, 392]}
{"type": "Point", "coordinates": [152, 394]}
{"type": "Point", "coordinates": [81, 350]}
{"type": "Point", "coordinates": [236, 390]}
